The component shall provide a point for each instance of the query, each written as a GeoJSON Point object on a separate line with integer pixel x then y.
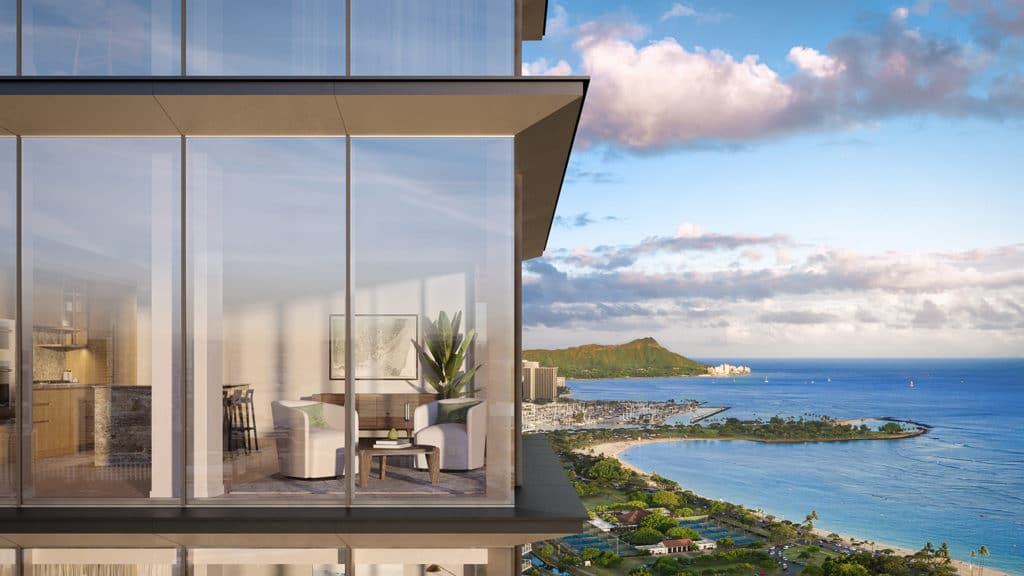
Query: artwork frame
{"type": "Point", "coordinates": [392, 357]}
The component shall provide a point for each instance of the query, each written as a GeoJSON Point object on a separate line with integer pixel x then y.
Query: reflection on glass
{"type": "Point", "coordinates": [101, 38]}
{"type": "Point", "coordinates": [433, 232]}
{"type": "Point", "coordinates": [103, 227]}
{"type": "Point", "coordinates": [266, 248]}
{"type": "Point", "coordinates": [432, 37]}
{"type": "Point", "coordinates": [100, 562]}
{"type": "Point", "coordinates": [8, 317]}
{"type": "Point", "coordinates": [266, 562]}
{"type": "Point", "coordinates": [8, 37]}
{"type": "Point", "coordinates": [266, 37]}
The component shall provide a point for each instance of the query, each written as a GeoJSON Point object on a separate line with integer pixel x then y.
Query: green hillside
{"type": "Point", "coordinates": [636, 359]}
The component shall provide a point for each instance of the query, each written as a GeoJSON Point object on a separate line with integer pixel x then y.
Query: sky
{"type": "Point", "coordinates": [788, 179]}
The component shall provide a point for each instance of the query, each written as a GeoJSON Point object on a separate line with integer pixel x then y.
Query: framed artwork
{"type": "Point", "coordinates": [383, 346]}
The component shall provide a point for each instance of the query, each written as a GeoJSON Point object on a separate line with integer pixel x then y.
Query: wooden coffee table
{"type": "Point", "coordinates": [366, 459]}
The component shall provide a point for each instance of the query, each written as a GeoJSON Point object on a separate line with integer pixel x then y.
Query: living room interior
{"type": "Point", "coordinates": [267, 333]}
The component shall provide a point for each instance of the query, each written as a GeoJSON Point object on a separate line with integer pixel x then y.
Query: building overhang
{"type": "Point", "coordinates": [542, 113]}
{"type": "Point", "coordinates": [546, 507]}
{"type": "Point", "coordinates": [535, 17]}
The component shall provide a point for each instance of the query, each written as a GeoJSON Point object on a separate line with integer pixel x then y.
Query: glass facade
{"type": "Point", "coordinates": [101, 38]}
{"type": "Point", "coordinates": [260, 38]}
{"type": "Point", "coordinates": [266, 37]}
{"type": "Point", "coordinates": [266, 230]}
{"type": "Point", "coordinates": [433, 37]}
{"type": "Point", "coordinates": [266, 384]}
{"type": "Point", "coordinates": [100, 562]}
{"type": "Point", "coordinates": [432, 233]}
{"type": "Point", "coordinates": [8, 318]}
{"type": "Point", "coordinates": [8, 37]}
{"type": "Point", "coordinates": [102, 274]}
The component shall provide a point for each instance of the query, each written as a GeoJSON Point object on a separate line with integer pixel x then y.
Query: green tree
{"type": "Point", "coordinates": [782, 534]}
{"type": "Point", "coordinates": [608, 469]}
{"type": "Point", "coordinates": [546, 551]}
{"type": "Point", "coordinates": [680, 533]}
{"type": "Point", "coordinates": [640, 571]}
{"type": "Point", "coordinates": [643, 536]}
{"type": "Point", "coordinates": [983, 551]}
{"type": "Point", "coordinates": [664, 499]}
{"type": "Point", "coordinates": [726, 543]}
{"type": "Point", "coordinates": [658, 522]}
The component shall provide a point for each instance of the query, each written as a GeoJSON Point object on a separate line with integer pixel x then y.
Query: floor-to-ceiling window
{"type": "Point", "coordinates": [266, 252]}
{"type": "Point", "coordinates": [8, 318]}
{"type": "Point", "coordinates": [433, 37]}
{"type": "Point", "coordinates": [432, 234]}
{"type": "Point", "coordinates": [8, 37]}
{"type": "Point", "coordinates": [101, 251]}
{"type": "Point", "coordinates": [266, 37]}
{"type": "Point", "coordinates": [100, 562]}
{"type": "Point", "coordinates": [101, 37]}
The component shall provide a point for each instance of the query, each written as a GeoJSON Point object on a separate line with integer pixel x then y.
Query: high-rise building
{"type": "Point", "coordinates": [225, 228]}
{"type": "Point", "coordinates": [540, 383]}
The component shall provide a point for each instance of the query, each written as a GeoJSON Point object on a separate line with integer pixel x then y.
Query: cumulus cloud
{"type": "Point", "coordinates": [812, 62]}
{"type": "Point", "coordinates": [558, 21]}
{"type": "Point", "coordinates": [542, 67]}
{"type": "Point", "coordinates": [654, 93]}
{"type": "Point", "coordinates": [964, 302]}
{"type": "Point", "coordinates": [678, 10]}
{"type": "Point", "coordinates": [661, 93]}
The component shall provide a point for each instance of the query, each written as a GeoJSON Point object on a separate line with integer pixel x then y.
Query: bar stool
{"type": "Point", "coordinates": [249, 426]}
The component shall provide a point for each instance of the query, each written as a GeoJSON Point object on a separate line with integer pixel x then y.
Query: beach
{"type": "Point", "coordinates": [615, 449]}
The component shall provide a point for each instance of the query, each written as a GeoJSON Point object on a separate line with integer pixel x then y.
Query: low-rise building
{"type": "Point", "coordinates": [658, 549]}
{"type": "Point", "coordinates": [630, 517]}
{"type": "Point", "coordinates": [677, 545]}
{"type": "Point", "coordinates": [702, 545]}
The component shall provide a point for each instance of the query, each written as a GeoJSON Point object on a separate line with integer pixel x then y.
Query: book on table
{"type": "Point", "coordinates": [393, 444]}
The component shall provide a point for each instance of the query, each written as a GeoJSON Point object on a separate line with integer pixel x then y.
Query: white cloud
{"type": "Point", "coordinates": [661, 93]}
{"type": "Point", "coordinates": [679, 10]}
{"type": "Point", "coordinates": [812, 62]}
{"type": "Point", "coordinates": [658, 94]}
{"type": "Point", "coordinates": [543, 68]}
{"type": "Point", "coordinates": [688, 230]}
{"type": "Point", "coordinates": [900, 14]}
{"type": "Point", "coordinates": [558, 22]}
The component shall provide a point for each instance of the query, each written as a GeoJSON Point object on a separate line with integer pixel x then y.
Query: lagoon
{"type": "Point", "coordinates": [962, 483]}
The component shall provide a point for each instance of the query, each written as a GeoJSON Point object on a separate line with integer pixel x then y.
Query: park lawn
{"type": "Point", "coordinates": [818, 555]}
{"type": "Point", "coordinates": [605, 497]}
{"type": "Point", "coordinates": [719, 567]}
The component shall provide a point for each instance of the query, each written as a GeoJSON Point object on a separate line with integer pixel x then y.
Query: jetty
{"type": "Point", "coordinates": [705, 412]}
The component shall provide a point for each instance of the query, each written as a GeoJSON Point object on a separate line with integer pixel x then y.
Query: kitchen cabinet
{"type": "Point", "coordinates": [62, 421]}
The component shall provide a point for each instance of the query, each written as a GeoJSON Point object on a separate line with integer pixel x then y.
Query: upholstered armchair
{"type": "Point", "coordinates": [461, 445]}
{"type": "Point", "coordinates": [310, 438]}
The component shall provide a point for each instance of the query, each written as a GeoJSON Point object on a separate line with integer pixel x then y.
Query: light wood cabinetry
{"type": "Point", "coordinates": [62, 421]}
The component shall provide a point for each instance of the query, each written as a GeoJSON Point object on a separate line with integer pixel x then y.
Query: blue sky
{"type": "Point", "coordinates": [789, 178]}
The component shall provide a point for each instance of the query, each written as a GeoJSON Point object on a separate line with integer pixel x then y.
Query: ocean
{"type": "Point", "coordinates": [961, 483]}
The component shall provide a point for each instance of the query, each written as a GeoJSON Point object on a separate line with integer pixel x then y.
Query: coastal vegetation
{"type": "Point", "coordinates": [641, 358]}
{"type": "Point", "coordinates": [607, 487]}
{"type": "Point", "coordinates": [775, 429]}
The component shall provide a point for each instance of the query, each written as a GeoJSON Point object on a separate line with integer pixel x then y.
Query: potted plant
{"type": "Point", "coordinates": [443, 353]}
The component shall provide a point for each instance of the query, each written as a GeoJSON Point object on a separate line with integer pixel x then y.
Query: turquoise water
{"type": "Point", "coordinates": [962, 483]}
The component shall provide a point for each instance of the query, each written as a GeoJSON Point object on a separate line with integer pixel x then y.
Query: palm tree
{"type": "Point", "coordinates": [983, 551]}
{"type": "Point", "coordinates": [973, 554]}
{"type": "Point", "coordinates": [943, 553]}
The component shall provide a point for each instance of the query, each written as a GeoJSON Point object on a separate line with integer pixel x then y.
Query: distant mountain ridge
{"type": "Point", "coordinates": [640, 358]}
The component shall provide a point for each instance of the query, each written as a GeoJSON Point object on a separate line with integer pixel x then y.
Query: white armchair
{"type": "Point", "coordinates": [461, 446]}
{"type": "Point", "coordinates": [305, 451]}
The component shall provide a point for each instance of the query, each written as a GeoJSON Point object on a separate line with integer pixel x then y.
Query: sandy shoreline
{"type": "Point", "coordinates": [614, 449]}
